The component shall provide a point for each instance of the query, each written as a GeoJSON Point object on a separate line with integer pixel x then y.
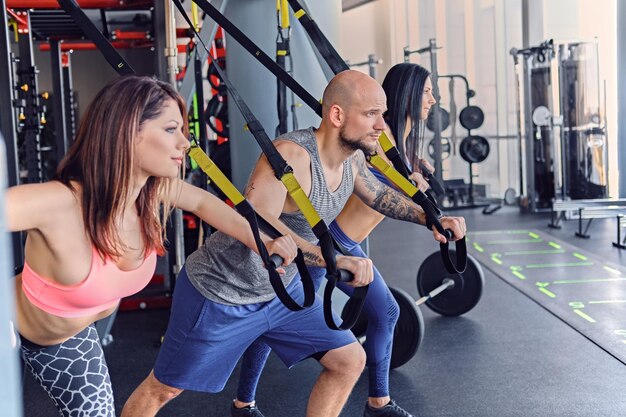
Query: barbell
{"type": "Point", "coordinates": [444, 293]}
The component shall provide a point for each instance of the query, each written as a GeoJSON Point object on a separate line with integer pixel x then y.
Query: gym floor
{"type": "Point", "coordinates": [506, 357]}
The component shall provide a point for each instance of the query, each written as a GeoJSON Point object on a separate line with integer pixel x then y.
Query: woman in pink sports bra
{"type": "Point", "coordinates": [94, 233]}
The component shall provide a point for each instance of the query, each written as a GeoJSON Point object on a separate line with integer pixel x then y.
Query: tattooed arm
{"type": "Point", "coordinates": [394, 204]}
{"type": "Point", "coordinates": [382, 198]}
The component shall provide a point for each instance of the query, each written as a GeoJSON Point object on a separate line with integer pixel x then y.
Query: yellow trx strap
{"type": "Point", "coordinates": [394, 176]}
{"type": "Point", "coordinates": [282, 7]}
{"type": "Point", "coordinates": [301, 199]}
{"type": "Point", "coordinates": [385, 142]}
{"type": "Point", "coordinates": [217, 176]}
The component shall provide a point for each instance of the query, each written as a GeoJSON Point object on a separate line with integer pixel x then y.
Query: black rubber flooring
{"type": "Point", "coordinates": [582, 289]}
{"type": "Point", "coordinates": [506, 357]}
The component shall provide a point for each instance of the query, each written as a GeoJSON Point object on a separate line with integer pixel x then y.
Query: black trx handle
{"type": "Point", "coordinates": [432, 180]}
{"type": "Point", "coordinates": [241, 204]}
{"type": "Point", "coordinates": [284, 173]}
{"type": "Point", "coordinates": [429, 205]}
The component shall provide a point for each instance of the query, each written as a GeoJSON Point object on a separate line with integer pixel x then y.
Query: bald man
{"type": "Point", "coordinates": [223, 300]}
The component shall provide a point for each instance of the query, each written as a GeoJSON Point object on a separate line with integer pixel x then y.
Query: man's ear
{"type": "Point", "coordinates": [336, 116]}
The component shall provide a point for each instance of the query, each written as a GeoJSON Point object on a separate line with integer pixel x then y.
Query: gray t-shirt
{"type": "Point", "coordinates": [227, 272]}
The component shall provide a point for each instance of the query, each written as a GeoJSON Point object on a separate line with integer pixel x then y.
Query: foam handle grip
{"type": "Point", "coordinates": [276, 260]}
{"type": "Point", "coordinates": [345, 276]}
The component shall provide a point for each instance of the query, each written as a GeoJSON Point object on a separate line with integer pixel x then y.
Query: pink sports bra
{"type": "Point", "coordinates": [103, 288]}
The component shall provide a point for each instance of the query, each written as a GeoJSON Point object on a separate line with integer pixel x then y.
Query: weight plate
{"type": "Point", "coordinates": [541, 116]}
{"type": "Point", "coordinates": [445, 119]}
{"type": "Point", "coordinates": [474, 149]}
{"type": "Point", "coordinates": [445, 148]}
{"type": "Point", "coordinates": [408, 333]}
{"type": "Point", "coordinates": [467, 290]}
{"type": "Point", "coordinates": [472, 117]}
{"type": "Point", "coordinates": [510, 197]}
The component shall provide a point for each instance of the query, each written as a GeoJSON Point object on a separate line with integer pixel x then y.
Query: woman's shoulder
{"type": "Point", "coordinates": [57, 195]}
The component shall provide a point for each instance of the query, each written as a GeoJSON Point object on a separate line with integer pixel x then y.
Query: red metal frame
{"type": "Point", "coordinates": [218, 50]}
{"type": "Point", "coordinates": [87, 46]}
{"type": "Point", "coordinates": [121, 35]}
{"type": "Point", "coordinates": [85, 4]}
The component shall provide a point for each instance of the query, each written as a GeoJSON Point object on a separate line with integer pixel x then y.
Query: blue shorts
{"type": "Point", "coordinates": [205, 339]}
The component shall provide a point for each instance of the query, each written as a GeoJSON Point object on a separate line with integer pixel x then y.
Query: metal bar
{"type": "Point", "coordinates": [89, 46]}
{"type": "Point", "coordinates": [8, 127]}
{"type": "Point", "coordinates": [446, 284]}
{"type": "Point", "coordinates": [437, 114]}
{"type": "Point", "coordinates": [172, 69]}
{"type": "Point", "coordinates": [10, 387]}
{"type": "Point", "coordinates": [68, 96]}
{"type": "Point", "coordinates": [27, 75]}
{"type": "Point", "coordinates": [158, 29]}
{"type": "Point", "coordinates": [529, 139]}
{"type": "Point", "coordinates": [58, 100]}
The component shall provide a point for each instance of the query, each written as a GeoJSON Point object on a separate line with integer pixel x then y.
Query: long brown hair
{"type": "Point", "coordinates": [101, 161]}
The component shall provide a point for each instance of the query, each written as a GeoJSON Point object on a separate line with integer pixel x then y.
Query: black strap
{"type": "Point", "coordinates": [429, 205]}
{"type": "Point", "coordinates": [261, 56]}
{"type": "Point", "coordinates": [256, 221]}
{"type": "Point", "coordinates": [244, 208]}
{"type": "Point", "coordinates": [108, 51]}
{"type": "Point", "coordinates": [278, 164]}
{"type": "Point", "coordinates": [282, 52]}
{"type": "Point", "coordinates": [326, 49]}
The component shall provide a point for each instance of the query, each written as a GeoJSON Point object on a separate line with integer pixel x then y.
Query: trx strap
{"type": "Point", "coordinates": [284, 173]}
{"type": "Point", "coordinates": [282, 52]}
{"type": "Point", "coordinates": [427, 202]}
{"type": "Point", "coordinates": [108, 51]}
{"type": "Point", "coordinates": [432, 212]}
{"type": "Point", "coordinates": [242, 206]}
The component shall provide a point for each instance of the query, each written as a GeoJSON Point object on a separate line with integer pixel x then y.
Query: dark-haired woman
{"type": "Point", "coordinates": [409, 98]}
{"type": "Point", "coordinates": [95, 231]}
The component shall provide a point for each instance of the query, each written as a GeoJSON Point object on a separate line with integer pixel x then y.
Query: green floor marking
{"type": "Point", "coordinates": [496, 260]}
{"type": "Point", "coordinates": [499, 232]}
{"type": "Point", "coordinates": [518, 274]}
{"type": "Point", "coordinates": [613, 271]}
{"type": "Point", "coordinates": [584, 281]}
{"type": "Point", "coordinates": [478, 247]}
{"type": "Point", "coordinates": [547, 292]}
{"type": "Point", "coordinates": [579, 256]}
{"type": "Point", "coordinates": [554, 245]}
{"type": "Point", "coordinates": [608, 302]}
{"type": "Point", "coordinates": [584, 316]}
{"type": "Point", "coordinates": [506, 241]}
{"type": "Point", "coordinates": [559, 265]}
{"type": "Point", "coordinates": [533, 235]}
{"type": "Point", "coordinates": [535, 252]}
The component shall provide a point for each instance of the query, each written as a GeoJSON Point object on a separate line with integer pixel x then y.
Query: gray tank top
{"type": "Point", "coordinates": [227, 272]}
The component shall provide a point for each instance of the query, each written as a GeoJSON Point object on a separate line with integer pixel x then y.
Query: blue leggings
{"type": "Point", "coordinates": [382, 314]}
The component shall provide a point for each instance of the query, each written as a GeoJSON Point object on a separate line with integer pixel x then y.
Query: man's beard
{"type": "Point", "coordinates": [354, 144]}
